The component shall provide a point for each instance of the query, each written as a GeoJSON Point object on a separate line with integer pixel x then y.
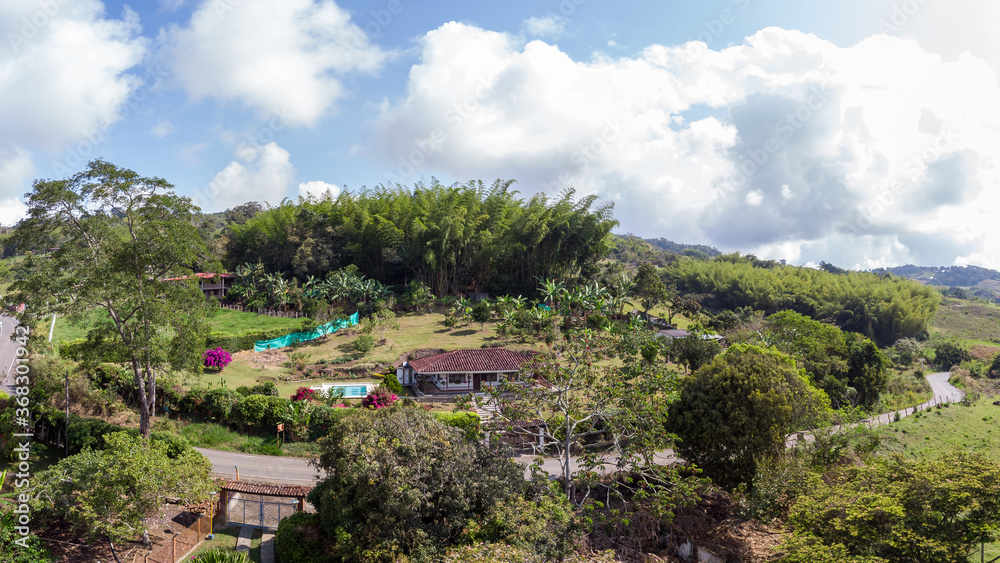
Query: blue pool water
{"type": "Point", "coordinates": [355, 391]}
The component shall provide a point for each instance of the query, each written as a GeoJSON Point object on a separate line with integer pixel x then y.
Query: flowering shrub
{"type": "Point", "coordinates": [304, 394]}
{"type": "Point", "coordinates": [217, 358]}
{"type": "Point", "coordinates": [379, 398]}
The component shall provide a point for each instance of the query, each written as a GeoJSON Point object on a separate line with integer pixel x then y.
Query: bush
{"type": "Point", "coordinates": [364, 343]}
{"type": "Point", "coordinates": [299, 540]}
{"type": "Point", "coordinates": [219, 403]}
{"type": "Point", "coordinates": [467, 422]}
{"type": "Point", "coordinates": [217, 358]}
{"type": "Point", "coordinates": [218, 555]}
{"type": "Point", "coordinates": [390, 382]}
{"type": "Point", "coordinates": [268, 388]}
{"type": "Point", "coordinates": [379, 398]}
{"type": "Point", "coordinates": [304, 394]}
{"type": "Point", "coordinates": [176, 445]}
{"type": "Point", "coordinates": [262, 412]}
{"type": "Point", "coordinates": [243, 340]}
{"type": "Point", "coordinates": [597, 321]}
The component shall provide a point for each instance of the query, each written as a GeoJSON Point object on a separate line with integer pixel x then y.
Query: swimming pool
{"type": "Point", "coordinates": [351, 390]}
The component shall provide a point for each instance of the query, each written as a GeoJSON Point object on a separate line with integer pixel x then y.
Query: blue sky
{"type": "Point", "coordinates": [862, 133]}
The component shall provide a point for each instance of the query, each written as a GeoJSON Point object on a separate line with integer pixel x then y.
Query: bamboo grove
{"type": "Point", "coordinates": [456, 239]}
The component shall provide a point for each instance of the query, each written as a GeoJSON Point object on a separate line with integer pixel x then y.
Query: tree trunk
{"type": "Point", "coordinates": [113, 552]}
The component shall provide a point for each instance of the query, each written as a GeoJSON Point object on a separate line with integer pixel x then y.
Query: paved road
{"type": "Point", "coordinates": [8, 353]}
{"type": "Point", "coordinates": [262, 468]}
{"type": "Point", "coordinates": [297, 471]}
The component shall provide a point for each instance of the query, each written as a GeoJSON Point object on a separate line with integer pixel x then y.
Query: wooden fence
{"type": "Point", "coordinates": [266, 312]}
{"type": "Point", "coordinates": [176, 545]}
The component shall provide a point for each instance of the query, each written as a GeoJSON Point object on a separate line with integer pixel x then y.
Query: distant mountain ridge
{"type": "Point", "coordinates": [949, 276]}
{"type": "Point", "coordinates": [679, 248]}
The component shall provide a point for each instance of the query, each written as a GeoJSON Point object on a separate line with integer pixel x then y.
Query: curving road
{"type": "Point", "coordinates": [298, 471]}
{"type": "Point", "coordinates": [8, 353]}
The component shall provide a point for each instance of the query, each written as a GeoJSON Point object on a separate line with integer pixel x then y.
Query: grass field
{"type": "Point", "coordinates": [971, 321]}
{"type": "Point", "coordinates": [224, 320]}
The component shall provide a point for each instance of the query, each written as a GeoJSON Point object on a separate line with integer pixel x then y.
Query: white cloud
{"type": "Point", "coordinates": [257, 174]}
{"type": "Point", "coordinates": [162, 129]}
{"type": "Point", "coordinates": [550, 27]}
{"type": "Point", "coordinates": [872, 154]}
{"type": "Point", "coordinates": [63, 82]}
{"type": "Point", "coordinates": [318, 189]}
{"type": "Point", "coordinates": [281, 58]}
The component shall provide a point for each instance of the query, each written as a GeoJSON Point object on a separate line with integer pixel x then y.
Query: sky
{"type": "Point", "coordinates": [863, 133]}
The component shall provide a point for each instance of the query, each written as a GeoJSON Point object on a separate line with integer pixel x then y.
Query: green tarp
{"type": "Point", "coordinates": [289, 339]}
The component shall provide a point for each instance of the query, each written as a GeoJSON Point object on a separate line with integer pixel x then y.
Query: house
{"type": "Point", "coordinates": [461, 371]}
{"type": "Point", "coordinates": [214, 285]}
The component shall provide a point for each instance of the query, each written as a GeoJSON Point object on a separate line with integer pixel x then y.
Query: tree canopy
{"type": "Point", "coordinates": [121, 236]}
{"type": "Point", "coordinates": [738, 410]}
{"type": "Point", "coordinates": [449, 237]}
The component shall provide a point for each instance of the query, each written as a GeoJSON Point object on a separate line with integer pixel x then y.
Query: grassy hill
{"type": "Point", "coordinates": [972, 321]}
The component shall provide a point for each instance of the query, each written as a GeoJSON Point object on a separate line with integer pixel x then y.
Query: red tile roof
{"type": "Point", "coordinates": [470, 361]}
{"type": "Point", "coordinates": [201, 275]}
{"type": "Point", "coordinates": [266, 489]}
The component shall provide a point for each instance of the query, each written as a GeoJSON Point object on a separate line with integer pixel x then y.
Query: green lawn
{"type": "Point", "coordinates": [224, 320]}
{"type": "Point", "coordinates": [940, 430]}
{"type": "Point", "coordinates": [971, 321]}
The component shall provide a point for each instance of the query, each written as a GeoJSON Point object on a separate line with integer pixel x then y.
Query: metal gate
{"type": "Point", "coordinates": [259, 511]}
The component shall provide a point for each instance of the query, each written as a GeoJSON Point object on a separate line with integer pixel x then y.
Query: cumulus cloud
{"type": "Point", "coordinates": [64, 81]}
{"type": "Point", "coordinates": [261, 173]}
{"type": "Point", "coordinates": [281, 58]}
{"type": "Point", "coordinates": [786, 145]}
{"type": "Point", "coordinates": [318, 189]}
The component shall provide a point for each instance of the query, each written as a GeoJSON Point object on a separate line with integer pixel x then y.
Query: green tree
{"type": "Point", "coordinates": [948, 354]}
{"type": "Point", "coordinates": [381, 321]}
{"type": "Point", "coordinates": [582, 406]}
{"type": "Point", "coordinates": [738, 411]}
{"type": "Point", "coordinates": [481, 313]}
{"type": "Point", "coordinates": [111, 493]}
{"type": "Point", "coordinates": [695, 350]}
{"type": "Point", "coordinates": [901, 511]}
{"type": "Point", "coordinates": [400, 483]}
{"type": "Point", "coordinates": [648, 288]}
{"type": "Point", "coordinates": [122, 236]}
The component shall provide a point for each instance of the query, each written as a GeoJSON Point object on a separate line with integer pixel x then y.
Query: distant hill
{"type": "Point", "coordinates": [949, 276]}
{"type": "Point", "coordinates": [680, 248]}
{"type": "Point", "coordinates": [964, 281]}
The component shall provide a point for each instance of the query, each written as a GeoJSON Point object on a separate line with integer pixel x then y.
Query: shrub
{"type": "Point", "coordinates": [299, 539]}
{"type": "Point", "coordinates": [219, 403]}
{"type": "Point", "coordinates": [390, 382]}
{"type": "Point", "coordinates": [176, 445]}
{"type": "Point", "coordinates": [262, 412]}
{"type": "Point", "coordinates": [217, 358]}
{"type": "Point", "coordinates": [379, 398]}
{"type": "Point", "coordinates": [364, 343]}
{"type": "Point", "coordinates": [268, 388]}
{"type": "Point", "coordinates": [218, 555]}
{"type": "Point", "coordinates": [467, 422]}
{"type": "Point", "coordinates": [304, 394]}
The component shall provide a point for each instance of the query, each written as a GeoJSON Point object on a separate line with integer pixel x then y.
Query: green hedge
{"type": "Point", "coordinates": [243, 340]}
{"type": "Point", "coordinates": [468, 422]}
{"type": "Point", "coordinates": [295, 541]}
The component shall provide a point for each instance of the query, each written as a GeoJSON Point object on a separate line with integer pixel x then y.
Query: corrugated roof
{"type": "Point", "coordinates": [475, 360]}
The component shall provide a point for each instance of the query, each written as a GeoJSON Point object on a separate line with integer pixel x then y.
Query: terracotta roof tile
{"type": "Point", "coordinates": [470, 361]}
{"type": "Point", "coordinates": [266, 489]}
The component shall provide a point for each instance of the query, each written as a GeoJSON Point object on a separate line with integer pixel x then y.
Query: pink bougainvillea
{"type": "Point", "coordinates": [217, 358]}
{"type": "Point", "coordinates": [379, 399]}
{"type": "Point", "coordinates": [304, 394]}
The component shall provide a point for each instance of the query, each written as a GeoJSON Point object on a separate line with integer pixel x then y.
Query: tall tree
{"type": "Point", "coordinates": [738, 410]}
{"type": "Point", "coordinates": [123, 236]}
{"type": "Point", "coordinates": [648, 288]}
